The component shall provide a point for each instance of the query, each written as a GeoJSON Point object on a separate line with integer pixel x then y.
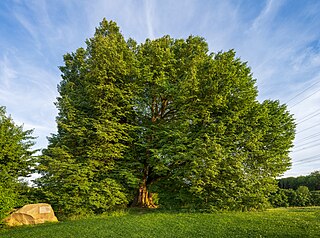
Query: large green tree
{"type": "Point", "coordinates": [16, 160]}
{"type": "Point", "coordinates": [208, 141]}
{"type": "Point", "coordinates": [16, 154]}
{"type": "Point", "coordinates": [205, 136]}
{"type": "Point", "coordinates": [94, 106]}
{"type": "Point", "coordinates": [164, 116]}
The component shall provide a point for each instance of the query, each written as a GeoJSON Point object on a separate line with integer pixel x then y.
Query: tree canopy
{"type": "Point", "coordinates": [165, 116]}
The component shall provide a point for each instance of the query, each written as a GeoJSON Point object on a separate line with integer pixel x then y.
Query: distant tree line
{"type": "Point", "coordinates": [312, 181]}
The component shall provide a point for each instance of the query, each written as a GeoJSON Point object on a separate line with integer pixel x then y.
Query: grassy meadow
{"type": "Point", "coordinates": [281, 222]}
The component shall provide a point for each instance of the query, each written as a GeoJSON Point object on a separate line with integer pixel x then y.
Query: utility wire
{"type": "Point", "coordinates": [302, 92]}
{"type": "Point", "coordinates": [304, 143]}
{"type": "Point", "coordinates": [304, 119]}
{"type": "Point", "coordinates": [304, 99]}
{"type": "Point", "coordinates": [307, 159]}
{"type": "Point", "coordinates": [297, 146]}
{"type": "Point", "coordinates": [309, 137]}
{"type": "Point", "coordinates": [308, 117]}
{"type": "Point", "coordinates": [308, 143]}
{"type": "Point", "coordinates": [306, 162]}
{"type": "Point", "coordinates": [308, 147]}
{"type": "Point", "coordinates": [316, 125]}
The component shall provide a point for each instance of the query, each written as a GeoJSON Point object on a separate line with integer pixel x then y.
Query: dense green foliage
{"type": "Point", "coordinates": [299, 191]}
{"type": "Point", "coordinates": [295, 198]}
{"type": "Point", "coordinates": [16, 161]}
{"type": "Point", "coordinates": [164, 116]}
{"type": "Point", "coordinates": [8, 200]}
{"type": "Point", "coordinates": [272, 223]}
{"type": "Point", "coordinates": [94, 104]}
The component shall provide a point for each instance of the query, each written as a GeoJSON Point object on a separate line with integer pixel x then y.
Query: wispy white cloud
{"type": "Point", "coordinates": [28, 92]}
{"type": "Point", "coordinates": [130, 16]}
{"type": "Point", "coordinates": [149, 12]}
{"type": "Point", "coordinates": [267, 15]}
{"type": "Point", "coordinates": [7, 73]}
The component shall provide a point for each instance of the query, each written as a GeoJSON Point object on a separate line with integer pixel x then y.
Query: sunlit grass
{"type": "Point", "coordinates": [291, 222]}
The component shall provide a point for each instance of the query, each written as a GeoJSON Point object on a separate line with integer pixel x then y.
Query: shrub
{"type": "Point", "coordinates": [292, 196]}
{"type": "Point", "coordinates": [315, 198]}
{"type": "Point", "coordinates": [279, 198]}
{"type": "Point", "coordinates": [303, 196]}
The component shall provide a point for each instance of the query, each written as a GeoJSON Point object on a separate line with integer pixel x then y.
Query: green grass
{"type": "Point", "coordinates": [291, 222]}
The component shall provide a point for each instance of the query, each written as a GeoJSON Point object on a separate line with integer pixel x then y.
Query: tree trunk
{"type": "Point", "coordinates": [143, 197]}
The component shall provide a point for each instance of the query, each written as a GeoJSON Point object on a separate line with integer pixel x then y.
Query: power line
{"type": "Point", "coordinates": [307, 144]}
{"type": "Point", "coordinates": [318, 124]}
{"type": "Point", "coordinates": [306, 162]}
{"type": "Point", "coordinates": [307, 159]}
{"type": "Point", "coordinates": [309, 137]}
{"type": "Point", "coordinates": [302, 92]}
{"type": "Point", "coordinates": [308, 147]}
{"type": "Point", "coordinates": [304, 99]}
{"type": "Point", "coordinates": [309, 116]}
{"type": "Point", "coordinates": [301, 143]}
{"type": "Point", "coordinates": [298, 146]}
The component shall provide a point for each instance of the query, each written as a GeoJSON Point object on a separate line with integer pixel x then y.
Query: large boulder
{"type": "Point", "coordinates": [31, 214]}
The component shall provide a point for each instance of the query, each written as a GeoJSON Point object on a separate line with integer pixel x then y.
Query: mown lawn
{"type": "Point", "coordinates": [291, 222]}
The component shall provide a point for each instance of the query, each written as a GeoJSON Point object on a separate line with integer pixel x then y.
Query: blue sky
{"type": "Point", "coordinates": [279, 39]}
